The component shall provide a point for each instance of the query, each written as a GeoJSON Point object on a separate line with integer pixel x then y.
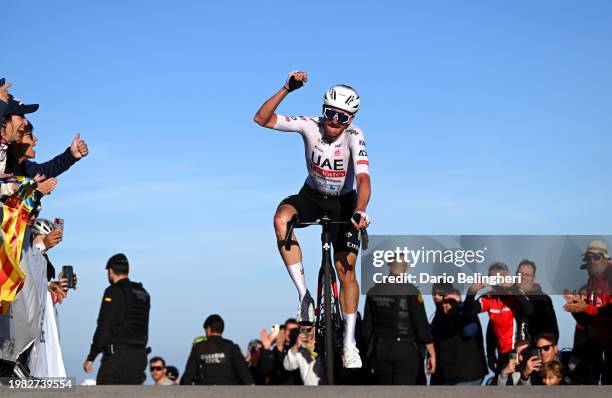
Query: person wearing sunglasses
{"type": "Point", "coordinates": [593, 310]}
{"type": "Point", "coordinates": [159, 374]}
{"type": "Point", "coordinates": [336, 159]}
{"type": "Point", "coordinates": [544, 351]}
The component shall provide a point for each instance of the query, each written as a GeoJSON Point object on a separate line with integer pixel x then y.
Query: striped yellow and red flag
{"type": "Point", "coordinates": [15, 214]}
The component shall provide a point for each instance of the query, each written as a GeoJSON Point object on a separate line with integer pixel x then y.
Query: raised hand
{"type": "Point", "coordinates": [296, 80]}
{"type": "Point", "coordinates": [4, 95]}
{"type": "Point", "coordinates": [78, 148]}
{"type": "Point", "coordinates": [46, 186]}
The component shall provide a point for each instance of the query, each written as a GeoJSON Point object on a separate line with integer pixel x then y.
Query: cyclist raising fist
{"type": "Point", "coordinates": [335, 158]}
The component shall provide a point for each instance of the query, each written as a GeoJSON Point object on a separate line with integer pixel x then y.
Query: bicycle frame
{"type": "Point", "coordinates": [328, 320]}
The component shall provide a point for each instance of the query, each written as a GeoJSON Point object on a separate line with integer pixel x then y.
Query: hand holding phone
{"type": "Point", "coordinates": [68, 273]}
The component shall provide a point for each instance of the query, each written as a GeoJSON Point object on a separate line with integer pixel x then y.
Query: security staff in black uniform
{"type": "Point", "coordinates": [394, 322]}
{"type": "Point", "coordinates": [215, 360]}
{"type": "Point", "coordinates": [123, 328]}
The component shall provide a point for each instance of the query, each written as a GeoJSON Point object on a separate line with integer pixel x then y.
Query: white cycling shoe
{"type": "Point", "coordinates": [306, 311]}
{"type": "Point", "coordinates": [350, 357]}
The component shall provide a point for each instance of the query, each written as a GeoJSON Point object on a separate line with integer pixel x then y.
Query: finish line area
{"type": "Point", "coordinates": [319, 392]}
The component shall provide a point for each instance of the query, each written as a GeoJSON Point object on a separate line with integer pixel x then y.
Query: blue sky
{"type": "Point", "coordinates": [481, 117]}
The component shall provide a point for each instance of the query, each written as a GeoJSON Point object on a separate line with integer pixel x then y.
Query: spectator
{"type": "Point", "coordinates": [159, 373]}
{"type": "Point", "coordinates": [274, 355]}
{"type": "Point", "coordinates": [507, 307]}
{"type": "Point", "coordinates": [438, 291]}
{"type": "Point", "coordinates": [254, 354]}
{"type": "Point", "coordinates": [21, 151]}
{"type": "Point", "coordinates": [302, 357]}
{"type": "Point", "coordinates": [4, 98]}
{"type": "Point", "coordinates": [545, 348]}
{"type": "Point", "coordinates": [593, 311]}
{"type": "Point", "coordinates": [510, 374]}
{"type": "Point", "coordinates": [215, 360]}
{"type": "Point", "coordinates": [543, 319]}
{"type": "Point", "coordinates": [458, 343]}
{"type": "Point", "coordinates": [13, 123]}
{"type": "Point", "coordinates": [172, 373]}
{"type": "Point", "coordinates": [552, 374]}
{"type": "Point", "coordinates": [395, 320]}
{"type": "Point", "coordinates": [123, 328]}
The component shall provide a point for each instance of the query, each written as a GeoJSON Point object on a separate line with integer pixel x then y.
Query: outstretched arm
{"type": "Point", "coordinates": [77, 150]}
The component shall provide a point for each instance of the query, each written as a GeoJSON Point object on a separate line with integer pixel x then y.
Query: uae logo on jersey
{"type": "Point", "coordinates": [337, 152]}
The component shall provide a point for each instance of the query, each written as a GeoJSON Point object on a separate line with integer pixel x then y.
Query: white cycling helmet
{"type": "Point", "coordinates": [342, 97]}
{"type": "Point", "coordinates": [42, 227]}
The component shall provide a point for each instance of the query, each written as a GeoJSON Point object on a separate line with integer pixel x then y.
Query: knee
{"type": "Point", "coordinates": [280, 222]}
{"type": "Point", "coordinates": [346, 274]}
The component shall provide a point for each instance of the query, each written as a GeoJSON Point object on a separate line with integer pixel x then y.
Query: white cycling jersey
{"type": "Point", "coordinates": [331, 166]}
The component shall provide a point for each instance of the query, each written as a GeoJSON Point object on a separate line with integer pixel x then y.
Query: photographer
{"type": "Point", "coordinates": [521, 363]}
{"type": "Point", "coordinates": [302, 356]}
{"type": "Point", "coordinates": [273, 356]}
{"type": "Point", "coordinates": [532, 359]}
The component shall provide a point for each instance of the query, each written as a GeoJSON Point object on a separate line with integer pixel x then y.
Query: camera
{"type": "Point", "coordinates": [293, 336]}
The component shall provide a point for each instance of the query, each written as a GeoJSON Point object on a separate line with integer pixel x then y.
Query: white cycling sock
{"type": "Point", "coordinates": [296, 271]}
{"type": "Point", "coordinates": [349, 328]}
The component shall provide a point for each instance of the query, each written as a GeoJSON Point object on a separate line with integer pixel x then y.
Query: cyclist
{"type": "Point", "coordinates": [335, 158]}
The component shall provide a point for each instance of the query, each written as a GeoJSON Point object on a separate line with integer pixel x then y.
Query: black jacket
{"type": "Point", "coordinates": [458, 342]}
{"type": "Point", "coordinates": [271, 363]}
{"type": "Point", "coordinates": [395, 310]}
{"type": "Point", "coordinates": [51, 168]}
{"type": "Point", "coordinates": [123, 319]}
{"type": "Point", "coordinates": [216, 361]}
{"type": "Point", "coordinates": [543, 319]}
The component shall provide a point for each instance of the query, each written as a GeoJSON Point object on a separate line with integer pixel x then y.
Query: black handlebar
{"type": "Point", "coordinates": [325, 220]}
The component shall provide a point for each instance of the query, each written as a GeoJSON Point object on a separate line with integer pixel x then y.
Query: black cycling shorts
{"type": "Point", "coordinates": [311, 205]}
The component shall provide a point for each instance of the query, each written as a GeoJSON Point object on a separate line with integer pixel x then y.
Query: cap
{"type": "Point", "coordinates": [172, 373]}
{"type": "Point", "coordinates": [117, 259]}
{"type": "Point", "coordinates": [17, 107]}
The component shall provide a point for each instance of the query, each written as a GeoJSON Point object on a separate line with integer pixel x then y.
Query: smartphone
{"type": "Point", "coordinates": [68, 273]}
{"type": "Point", "coordinates": [305, 330]}
{"type": "Point", "coordinates": [275, 329]}
{"type": "Point", "coordinates": [514, 356]}
{"type": "Point", "coordinates": [59, 223]}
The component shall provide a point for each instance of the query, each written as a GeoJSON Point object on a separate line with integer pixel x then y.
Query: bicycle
{"type": "Point", "coordinates": [328, 324]}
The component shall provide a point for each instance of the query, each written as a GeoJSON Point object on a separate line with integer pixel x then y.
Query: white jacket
{"type": "Point", "coordinates": [311, 369]}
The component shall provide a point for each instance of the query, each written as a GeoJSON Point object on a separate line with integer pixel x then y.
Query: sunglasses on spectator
{"type": "Point", "coordinates": [449, 301]}
{"type": "Point", "coordinates": [545, 348]}
{"type": "Point", "coordinates": [156, 368]}
{"type": "Point", "coordinates": [331, 114]}
{"type": "Point", "coordinates": [594, 257]}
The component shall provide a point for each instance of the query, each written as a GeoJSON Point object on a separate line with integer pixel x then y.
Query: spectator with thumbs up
{"type": "Point", "coordinates": [22, 151]}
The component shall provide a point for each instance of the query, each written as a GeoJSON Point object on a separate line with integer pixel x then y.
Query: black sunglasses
{"type": "Point", "coordinates": [156, 368]}
{"type": "Point", "coordinates": [331, 114]}
{"type": "Point", "coordinates": [594, 257]}
{"type": "Point", "coordinates": [545, 348]}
